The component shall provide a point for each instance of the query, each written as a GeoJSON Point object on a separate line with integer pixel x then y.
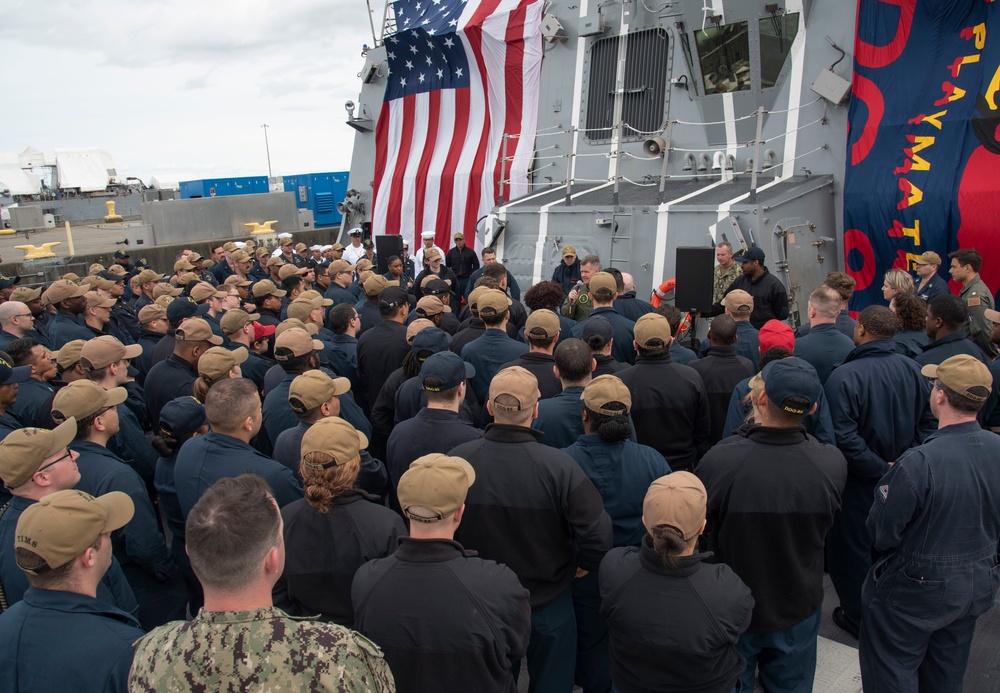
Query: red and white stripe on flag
{"type": "Point", "coordinates": [439, 153]}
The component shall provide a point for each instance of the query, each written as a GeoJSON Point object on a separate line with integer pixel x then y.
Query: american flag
{"type": "Point", "coordinates": [461, 76]}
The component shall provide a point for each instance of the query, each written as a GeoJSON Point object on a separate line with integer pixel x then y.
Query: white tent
{"type": "Point", "coordinates": [90, 170]}
{"type": "Point", "coordinates": [19, 182]}
{"type": "Point", "coordinates": [163, 184]}
{"type": "Point", "coordinates": [33, 158]}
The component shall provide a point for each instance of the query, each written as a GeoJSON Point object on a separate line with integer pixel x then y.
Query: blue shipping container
{"type": "Point", "coordinates": [222, 187]}
{"type": "Point", "coordinates": [319, 192]}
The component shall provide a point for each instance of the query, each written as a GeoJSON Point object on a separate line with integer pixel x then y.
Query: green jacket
{"type": "Point", "coordinates": [580, 309]}
{"type": "Point", "coordinates": [978, 298]}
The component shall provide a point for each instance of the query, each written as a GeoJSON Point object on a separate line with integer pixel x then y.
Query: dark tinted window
{"type": "Point", "coordinates": [724, 55]}
{"type": "Point", "coordinates": [776, 36]}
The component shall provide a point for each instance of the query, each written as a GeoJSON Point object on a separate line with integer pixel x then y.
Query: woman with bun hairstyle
{"type": "Point", "coordinates": [674, 619]}
{"type": "Point", "coordinates": [621, 470]}
{"type": "Point", "coordinates": [218, 363]}
{"type": "Point", "coordinates": [335, 529]}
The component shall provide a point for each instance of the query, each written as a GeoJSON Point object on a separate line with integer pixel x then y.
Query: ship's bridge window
{"type": "Point", "coordinates": [643, 91]}
{"type": "Point", "coordinates": [724, 54]}
{"type": "Point", "coordinates": [776, 35]}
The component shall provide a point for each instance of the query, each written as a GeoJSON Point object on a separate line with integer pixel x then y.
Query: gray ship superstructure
{"type": "Point", "coordinates": [671, 125]}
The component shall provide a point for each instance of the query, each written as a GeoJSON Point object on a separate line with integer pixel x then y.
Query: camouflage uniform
{"type": "Point", "coordinates": [724, 279]}
{"type": "Point", "coordinates": [581, 309]}
{"type": "Point", "coordinates": [978, 299]}
{"type": "Point", "coordinates": [264, 649]}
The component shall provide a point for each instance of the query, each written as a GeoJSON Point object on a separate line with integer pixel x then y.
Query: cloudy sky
{"type": "Point", "coordinates": [179, 89]}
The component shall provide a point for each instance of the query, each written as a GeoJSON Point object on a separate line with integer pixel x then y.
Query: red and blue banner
{"type": "Point", "coordinates": [923, 160]}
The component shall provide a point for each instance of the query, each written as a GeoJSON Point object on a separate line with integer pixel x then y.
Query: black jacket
{"type": "Point", "coordinates": [445, 274]}
{"type": "Point", "coordinates": [411, 398]}
{"type": "Point", "coordinates": [567, 276]}
{"type": "Point", "coordinates": [431, 430]}
{"type": "Point", "coordinates": [770, 298]}
{"type": "Point", "coordinates": [533, 509]}
{"type": "Point", "coordinates": [539, 365]}
{"type": "Point", "coordinates": [381, 350]}
{"type": "Point", "coordinates": [471, 332]}
{"type": "Point", "coordinates": [462, 262]}
{"type": "Point", "coordinates": [370, 315]}
{"type": "Point", "coordinates": [772, 495]}
{"type": "Point", "coordinates": [125, 322]}
{"type": "Point", "coordinates": [631, 307]}
{"type": "Point", "coordinates": [169, 379]}
{"type": "Point", "coordinates": [824, 348]}
{"type": "Point", "coordinates": [323, 551]}
{"type": "Point", "coordinates": [148, 341]}
{"type": "Point", "coordinates": [163, 348]}
{"type": "Point", "coordinates": [268, 316]}
{"type": "Point", "coordinates": [879, 406]}
{"type": "Point", "coordinates": [669, 409]}
{"type": "Point", "coordinates": [673, 630]}
{"type": "Point", "coordinates": [721, 369]}
{"type": "Point", "coordinates": [950, 345]}
{"type": "Point", "coordinates": [445, 619]}
{"type": "Point", "coordinates": [606, 365]}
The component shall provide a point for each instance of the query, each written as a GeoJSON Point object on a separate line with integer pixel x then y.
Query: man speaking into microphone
{"type": "Point", "coordinates": [578, 304]}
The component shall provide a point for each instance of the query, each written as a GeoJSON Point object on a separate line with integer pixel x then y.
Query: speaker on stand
{"type": "Point", "coordinates": [695, 275]}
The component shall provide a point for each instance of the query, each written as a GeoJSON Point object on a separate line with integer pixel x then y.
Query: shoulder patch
{"type": "Point", "coordinates": [883, 491]}
{"type": "Point", "coordinates": [367, 646]}
{"type": "Point", "coordinates": [583, 298]}
{"type": "Point", "coordinates": [974, 301]}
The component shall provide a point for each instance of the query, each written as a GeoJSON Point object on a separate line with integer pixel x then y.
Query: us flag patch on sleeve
{"type": "Point", "coordinates": [884, 492]}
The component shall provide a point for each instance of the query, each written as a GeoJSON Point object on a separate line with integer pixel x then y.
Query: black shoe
{"type": "Point", "coordinates": [840, 618]}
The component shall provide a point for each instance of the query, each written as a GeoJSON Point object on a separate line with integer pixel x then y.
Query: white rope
{"type": "Point", "coordinates": [805, 105]}
{"type": "Point", "coordinates": [785, 134]}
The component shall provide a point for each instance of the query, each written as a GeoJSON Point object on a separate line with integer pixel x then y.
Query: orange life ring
{"type": "Point", "coordinates": [661, 293]}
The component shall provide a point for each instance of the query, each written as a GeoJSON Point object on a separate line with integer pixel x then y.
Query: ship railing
{"type": "Point", "coordinates": [388, 21]}
{"type": "Point", "coordinates": [662, 140]}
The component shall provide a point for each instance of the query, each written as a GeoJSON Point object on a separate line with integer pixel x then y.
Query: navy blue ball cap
{"type": "Point", "coordinates": [182, 416]}
{"type": "Point", "coordinates": [435, 287]}
{"type": "Point", "coordinates": [7, 282]}
{"type": "Point", "coordinates": [392, 297]}
{"type": "Point", "coordinates": [9, 373]}
{"type": "Point", "coordinates": [121, 255]}
{"type": "Point", "coordinates": [597, 325]}
{"type": "Point", "coordinates": [180, 308]}
{"type": "Point", "coordinates": [111, 276]}
{"type": "Point", "coordinates": [432, 339]}
{"type": "Point", "coordinates": [447, 367]}
{"type": "Point", "coordinates": [792, 384]}
{"type": "Point", "coordinates": [750, 254]}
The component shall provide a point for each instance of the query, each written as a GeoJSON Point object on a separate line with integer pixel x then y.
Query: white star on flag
{"type": "Point", "coordinates": [438, 163]}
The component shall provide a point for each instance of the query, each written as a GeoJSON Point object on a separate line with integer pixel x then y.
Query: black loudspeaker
{"type": "Point", "coordinates": [387, 245]}
{"type": "Point", "coordinates": [695, 279]}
